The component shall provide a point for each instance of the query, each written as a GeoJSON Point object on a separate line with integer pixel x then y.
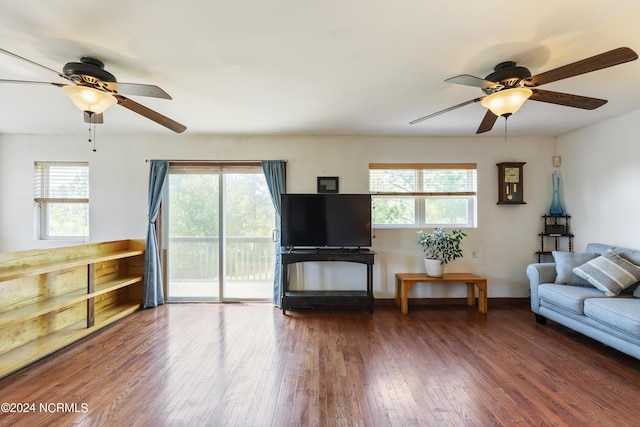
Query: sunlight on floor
{"type": "Point", "coordinates": [235, 290]}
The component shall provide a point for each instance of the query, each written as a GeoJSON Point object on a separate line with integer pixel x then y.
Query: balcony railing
{"type": "Point", "coordinates": [197, 258]}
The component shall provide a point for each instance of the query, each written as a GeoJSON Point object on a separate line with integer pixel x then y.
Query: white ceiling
{"type": "Point", "coordinates": [313, 67]}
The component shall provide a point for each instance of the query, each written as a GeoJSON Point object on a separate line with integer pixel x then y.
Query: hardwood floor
{"type": "Point", "coordinates": [247, 364]}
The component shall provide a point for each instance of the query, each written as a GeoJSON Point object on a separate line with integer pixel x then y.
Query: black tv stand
{"type": "Point", "coordinates": [324, 249]}
{"type": "Point", "coordinates": [292, 300]}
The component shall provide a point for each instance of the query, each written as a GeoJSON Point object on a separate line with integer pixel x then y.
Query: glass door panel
{"type": "Point", "coordinates": [194, 238]}
{"type": "Point", "coordinates": [249, 220]}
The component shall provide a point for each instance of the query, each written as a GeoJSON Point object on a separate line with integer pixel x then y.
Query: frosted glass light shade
{"type": "Point", "coordinates": [89, 99]}
{"type": "Point", "coordinates": [506, 102]}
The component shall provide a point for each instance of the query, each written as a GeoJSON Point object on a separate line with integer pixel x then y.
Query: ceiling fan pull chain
{"type": "Point", "coordinates": [92, 131]}
{"type": "Point", "coordinates": [505, 128]}
{"type": "Point", "coordinates": [93, 125]}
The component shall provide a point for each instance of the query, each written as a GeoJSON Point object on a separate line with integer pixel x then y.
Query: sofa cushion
{"type": "Point", "coordinates": [610, 273]}
{"type": "Point", "coordinates": [598, 248]}
{"type": "Point", "coordinates": [620, 313]}
{"type": "Point", "coordinates": [566, 262]}
{"type": "Point", "coordinates": [568, 297]}
{"type": "Point", "coordinates": [632, 255]}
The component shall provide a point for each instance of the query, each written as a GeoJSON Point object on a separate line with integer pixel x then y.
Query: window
{"type": "Point", "coordinates": [424, 194]}
{"type": "Point", "coordinates": [61, 199]}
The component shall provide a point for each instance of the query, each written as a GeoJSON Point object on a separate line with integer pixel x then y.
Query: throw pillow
{"type": "Point", "coordinates": [631, 255]}
{"type": "Point", "coordinates": [610, 273]}
{"type": "Point", "coordinates": [566, 262]}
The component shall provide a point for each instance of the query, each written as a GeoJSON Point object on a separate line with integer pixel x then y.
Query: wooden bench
{"type": "Point", "coordinates": [406, 281]}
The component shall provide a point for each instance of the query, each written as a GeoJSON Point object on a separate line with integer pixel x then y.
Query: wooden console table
{"type": "Point", "coordinates": [406, 281]}
{"type": "Point", "coordinates": [301, 299]}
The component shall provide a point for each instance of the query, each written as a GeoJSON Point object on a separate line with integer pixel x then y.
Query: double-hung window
{"type": "Point", "coordinates": [61, 200]}
{"type": "Point", "coordinates": [423, 194]}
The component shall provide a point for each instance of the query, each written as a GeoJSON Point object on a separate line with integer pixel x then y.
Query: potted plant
{"type": "Point", "coordinates": [440, 247]}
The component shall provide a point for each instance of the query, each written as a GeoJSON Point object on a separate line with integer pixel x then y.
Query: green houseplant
{"type": "Point", "coordinates": [440, 247]}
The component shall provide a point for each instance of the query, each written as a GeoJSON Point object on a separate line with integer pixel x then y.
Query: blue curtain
{"type": "Point", "coordinates": [153, 293]}
{"type": "Point", "coordinates": [274, 172]}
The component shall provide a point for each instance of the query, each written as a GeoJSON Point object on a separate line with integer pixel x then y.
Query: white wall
{"type": "Point", "coordinates": [505, 240]}
{"type": "Point", "coordinates": [601, 181]}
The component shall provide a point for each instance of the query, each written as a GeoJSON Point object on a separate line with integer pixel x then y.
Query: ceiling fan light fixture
{"type": "Point", "coordinates": [506, 102]}
{"type": "Point", "coordinates": [89, 99]}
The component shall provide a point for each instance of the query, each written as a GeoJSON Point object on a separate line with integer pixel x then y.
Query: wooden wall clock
{"type": "Point", "coordinates": [510, 186]}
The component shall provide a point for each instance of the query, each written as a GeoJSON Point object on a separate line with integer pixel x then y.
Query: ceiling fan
{"type": "Point", "coordinates": [509, 86]}
{"type": "Point", "coordinates": [93, 89]}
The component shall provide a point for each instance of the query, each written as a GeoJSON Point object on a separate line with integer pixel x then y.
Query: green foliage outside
{"type": "Point", "coordinates": [393, 210]}
{"type": "Point", "coordinates": [194, 210]}
{"type": "Point", "coordinates": [249, 207]}
{"type": "Point", "coordinates": [447, 211]}
{"type": "Point", "coordinates": [194, 205]}
{"type": "Point", "coordinates": [68, 219]}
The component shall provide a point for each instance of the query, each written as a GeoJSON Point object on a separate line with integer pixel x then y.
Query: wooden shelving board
{"type": "Point", "coordinates": [11, 273]}
{"type": "Point", "coordinates": [109, 316]}
{"type": "Point", "coordinates": [43, 346]}
{"type": "Point", "coordinates": [113, 285]}
{"type": "Point", "coordinates": [30, 311]}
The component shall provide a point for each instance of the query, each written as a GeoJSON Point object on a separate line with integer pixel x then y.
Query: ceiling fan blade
{"type": "Point", "coordinates": [594, 63]}
{"type": "Point", "coordinates": [567, 99]}
{"type": "Point", "coordinates": [468, 80]}
{"type": "Point", "coordinates": [150, 114]}
{"type": "Point", "coordinates": [6, 52]}
{"type": "Point", "coordinates": [31, 82]}
{"type": "Point", "coordinates": [487, 122]}
{"type": "Point", "coordinates": [446, 110]}
{"type": "Point", "coordinates": [141, 90]}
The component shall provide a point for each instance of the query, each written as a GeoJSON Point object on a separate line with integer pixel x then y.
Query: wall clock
{"type": "Point", "coordinates": [510, 187]}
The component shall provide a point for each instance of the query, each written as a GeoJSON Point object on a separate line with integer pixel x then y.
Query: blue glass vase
{"type": "Point", "coordinates": [556, 205]}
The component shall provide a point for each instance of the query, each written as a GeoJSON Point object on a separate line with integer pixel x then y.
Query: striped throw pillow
{"type": "Point", "coordinates": [610, 273]}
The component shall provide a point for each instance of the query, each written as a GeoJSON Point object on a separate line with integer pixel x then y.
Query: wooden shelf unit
{"type": "Point", "coordinates": [553, 237]}
{"type": "Point", "coordinates": [50, 298]}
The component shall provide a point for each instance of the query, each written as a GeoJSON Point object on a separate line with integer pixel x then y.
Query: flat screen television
{"type": "Point", "coordinates": [326, 220]}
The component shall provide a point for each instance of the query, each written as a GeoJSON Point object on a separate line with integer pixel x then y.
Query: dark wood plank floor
{"type": "Point", "coordinates": [247, 364]}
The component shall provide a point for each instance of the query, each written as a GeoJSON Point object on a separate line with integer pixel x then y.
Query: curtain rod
{"type": "Point", "coordinates": [212, 161]}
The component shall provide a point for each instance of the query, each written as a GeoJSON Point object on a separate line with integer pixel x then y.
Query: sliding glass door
{"type": "Point", "coordinates": [220, 222]}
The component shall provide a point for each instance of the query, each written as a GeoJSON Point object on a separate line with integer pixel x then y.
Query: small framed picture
{"type": "Point", "coordinates": [327, 184]}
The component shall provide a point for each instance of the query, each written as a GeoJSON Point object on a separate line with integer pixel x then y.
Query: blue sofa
{"type": "Point", "coordinates": [566, 295]}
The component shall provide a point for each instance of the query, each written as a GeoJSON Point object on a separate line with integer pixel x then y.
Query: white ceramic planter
{"type": "Point", "coordinates": [434, 267]}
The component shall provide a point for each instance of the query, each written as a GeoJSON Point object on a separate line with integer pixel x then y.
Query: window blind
{"type": "Point", "coordinates": [61, 182]}
{"type": "Point", "coordinates": [423, 179]}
